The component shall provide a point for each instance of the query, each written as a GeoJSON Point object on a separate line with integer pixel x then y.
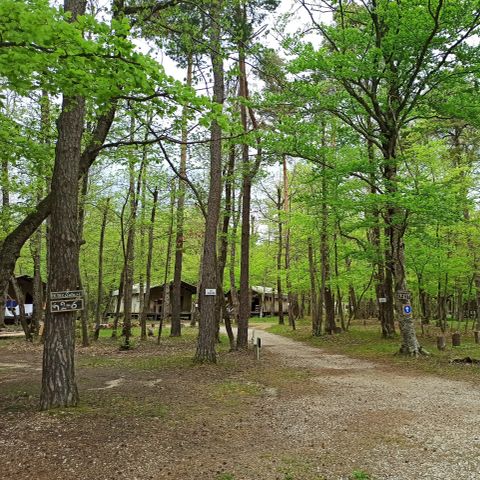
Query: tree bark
{"type": "Point", "coordinates": [316, 320]}
{"type": "Point", "coordinates": [166, 277]}
{"type": "Point", "coordinates": [292, 300]}
{"type": "Point", "coordinates": [148, 273]}
{"type": "Point", "coordinates": [222, 258]}
{"type": "Point", "coordinates": [205, 351]}
{"type": "Point", "coordinates": [176, 326]}
{"type": "Point", "coordinates": [100, 270]}
{"type": "Point", "coordinates": [281, 319]}
{"type": "Point", "coordinates": [383, 281]}
{"type": "Point", "coordinates": [59, 388]}
{"type": "Point", "coordinates": [327, 295]}
{"type": "Point", "coordinates": [396, 256]}
{"type": "Point", "coordinates": [245, 304]}
{"type": "Point", "coordinates": [81, 223]}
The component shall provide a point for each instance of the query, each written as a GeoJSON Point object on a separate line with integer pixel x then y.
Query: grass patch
{"type": "Point", "coordinates": [142, 363]}
{"type": "Point", "coordinates": [365, 342]}
{"type": "Point", "coordinates": [113, 406]}
{"type": "Point", "coordinates": [19, 397]}
{"type": "Point", "coordinates": [232, 392]}
{"type": "Point", "coordinates": [359, 475]}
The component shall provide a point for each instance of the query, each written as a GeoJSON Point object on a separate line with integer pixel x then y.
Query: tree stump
{"type": "Point", "coordinates": [441, 342]}
{"type": "Point", "coordinates": [476, 334]}
{"type": "Point", "coordinates": [456, 339]}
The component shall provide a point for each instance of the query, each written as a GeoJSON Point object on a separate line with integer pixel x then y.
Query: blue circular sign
{"type": "Point", "coordinates": [407, 309]}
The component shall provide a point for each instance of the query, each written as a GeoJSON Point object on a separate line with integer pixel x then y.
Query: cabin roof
{"type": "Point", "coordinates": [262, 290]}
{"type": "Point", "coordinates": [136, 288]}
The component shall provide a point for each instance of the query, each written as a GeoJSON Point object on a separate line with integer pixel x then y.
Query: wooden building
{"type": "Point", "coordinates": [264, 301]}
{"type": "Point", "coordinates": [156, 300]}
{"type": "Point", "coordinates": [25, 284]}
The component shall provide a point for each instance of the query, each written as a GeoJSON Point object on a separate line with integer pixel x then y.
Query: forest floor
{"type": "Point", "coordinates": [299, 413]}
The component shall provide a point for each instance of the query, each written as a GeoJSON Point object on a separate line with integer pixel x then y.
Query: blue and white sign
{"type": "Point", "coordinates": [407, 309]}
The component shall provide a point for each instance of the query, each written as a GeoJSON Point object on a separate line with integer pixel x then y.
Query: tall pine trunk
{"type": "Point", "coordinates": [281, 319]}
{"type": "Point", "coordinates": [316, 319]}
{"type": "Point", "coordinates": [176, 326]}
{"type": "Point", "coordinates": [205, 351]}
{"type": "Point", "coordinates": [222, 258]}
{"type": "Point", "coordinates": [81, 223]}
{"type": "Point", "coordinates": [148, 273]}
{"type": "Point", "coordinates": [59, 388]}
{"type": "Point", "coordinates": [98, 306]}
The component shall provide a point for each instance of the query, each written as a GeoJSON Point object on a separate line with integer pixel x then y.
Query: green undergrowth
{"type": "Point", "coordinates": [365, 342]}
{"type": "Point", "coordinates": [173, 352]}
{"type": "Point", "coordinates": [233, 392]}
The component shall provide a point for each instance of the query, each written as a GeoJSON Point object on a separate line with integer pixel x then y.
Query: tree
{"type": "Point", "coordinates": [382, 61]}
{"type": "Point", "coordinates": [59, 388]}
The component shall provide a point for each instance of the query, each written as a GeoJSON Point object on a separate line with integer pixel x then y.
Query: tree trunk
{"type": "Point", "coordinates": [245, 304]}
{"type": "Point", "coordinates": [339, 293]}
{"type": "Point", "coordinates": [176, 327]}
{"type": "Point", "coordinates": [21, 307]}
{"type": "Point", "coordinates": [233, 251]}
{"type": "Point", "coordinates": [207, 323]}
{"type": "Point", "coordinates": [141, 279]}
{"type": "Point", "coordinates": [383, 283]}
{"type": "Point", "coordinates": [222, 258]}
{"type": "Point", "coordinates": [148, 273]}
{"type": "Point", "coordinates": [281, 319]}
{"type": "Point", "coordinates": [316, 320]}
{"type": "Point", "coordinates": [166, 310]}
{"type": "Point", "coordinates": [129, 257]}
{"type": "Point", "coordinates": [325, 258]}
{"type": "Point", "coordinates": [396, 262]}
{"type": "Point", "coordinates": [100, 270]}
{"type": "Point", "coordinates": [292, 300]}
{"type": "Point", "coordinates": [37, 294]}
{"type": "Point", "coordinates": [59, 388]}
{"type": "Point", "coordinates": [81, 223]}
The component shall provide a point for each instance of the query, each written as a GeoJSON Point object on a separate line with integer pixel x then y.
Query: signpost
{"type": "Point", "coordinates": [403, 295]}
{"type": "Point", "coordinates": [407, 309]}
{"type": "Point", "coordinates": [68, 301]}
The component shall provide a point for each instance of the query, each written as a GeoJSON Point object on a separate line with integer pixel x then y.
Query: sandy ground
{"type": "Point", "coordinates": [297, 414]}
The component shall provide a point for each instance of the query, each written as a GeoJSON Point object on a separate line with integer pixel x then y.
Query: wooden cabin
{"type": "Point", "coordinates": [156, 301]}
{"type": "Point", "coordinates": [264, 301]}
{"type": "Point", "coordinates": [25, 284]}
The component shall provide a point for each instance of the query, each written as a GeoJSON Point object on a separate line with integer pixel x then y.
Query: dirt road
{"type": "Point", "coordinates": [390, 425]}
{"type": "Point", "coordinates": [297, 414]}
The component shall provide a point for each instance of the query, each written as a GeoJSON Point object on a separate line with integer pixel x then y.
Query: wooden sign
{"type": "Point", "coordinates": [68, 301]}
{"type": "Point", "coordinates": [58, 306]}
{"type": "Point", "coordinates": [67, 295]}
{"type": "Point", "coordinates": [403, 295]}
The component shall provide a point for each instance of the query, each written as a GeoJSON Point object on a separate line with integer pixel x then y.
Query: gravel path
{"type": "Point", "coordinates": [392, 425]}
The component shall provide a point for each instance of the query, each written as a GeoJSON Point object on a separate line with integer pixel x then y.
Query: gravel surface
{"type": "Point", "coordinates": [389, 424]}
{"type": "Point", "coordinates": [298, 414]}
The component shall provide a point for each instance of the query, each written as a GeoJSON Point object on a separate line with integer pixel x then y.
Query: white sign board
{"type": "Point", "coordinates": [210, 291]}
{"type": "Point", "coordinates": [68, 295]}
{"type": "Point", "coordinates": [382, 300]}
